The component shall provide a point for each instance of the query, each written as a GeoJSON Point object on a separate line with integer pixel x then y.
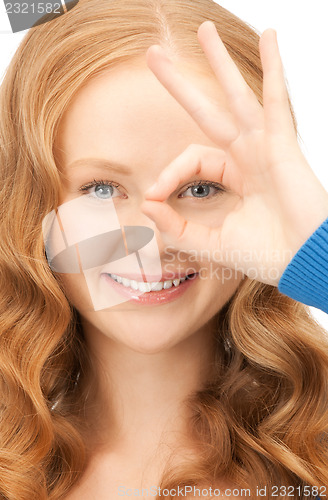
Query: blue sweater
{"type": "Point", "coordinates": [305, 279]}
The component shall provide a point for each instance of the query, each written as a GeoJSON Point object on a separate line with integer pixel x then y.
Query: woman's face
{"type": "Point", "coordinates": [119, 132]}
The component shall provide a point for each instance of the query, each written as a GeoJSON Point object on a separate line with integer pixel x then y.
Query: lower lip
{"type": "Point", "coordinates": [151, 298]}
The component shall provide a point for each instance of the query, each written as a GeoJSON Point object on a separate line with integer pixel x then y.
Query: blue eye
{"type": "Point", "coordinates": [202, 190]}
{"type": "Point", "coordinates": [101, 190]}
{"type": "Point", "coordinates": [104, 191]}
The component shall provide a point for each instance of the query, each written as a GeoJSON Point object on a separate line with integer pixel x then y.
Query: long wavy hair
{"type": "Point", "coordinates": [262, 418]}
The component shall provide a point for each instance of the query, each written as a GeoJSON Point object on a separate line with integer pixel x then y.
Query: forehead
{"type": "Point", "coordinates": [126, 115]}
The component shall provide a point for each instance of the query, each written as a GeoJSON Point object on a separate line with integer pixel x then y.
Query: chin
{"type": "Point", "coordinates": [141, 331]}
{"type": "Point", "coordinates": [147, 345]}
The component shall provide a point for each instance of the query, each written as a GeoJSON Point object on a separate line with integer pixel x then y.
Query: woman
{"type": "Point", "coordinates": [215, 380]}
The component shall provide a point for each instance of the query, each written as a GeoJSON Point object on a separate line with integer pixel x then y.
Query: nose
{"type": "Point", "coordinates": [148, 245]}
{"type": "Point", "coordinates": [138, 218]}
{"type": "Point", "coordinates": [144, 240]}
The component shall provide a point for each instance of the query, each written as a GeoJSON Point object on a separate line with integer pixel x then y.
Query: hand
{"type": "Point", "coordinates": [258, 158]}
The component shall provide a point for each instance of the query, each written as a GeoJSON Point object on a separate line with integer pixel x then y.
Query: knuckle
{"type": "Point", "coordinates": [182, 230]}
{"type": "Point", "coordinates": [196, 150]}
{"type": "Point", "coordinates": [192, 148]}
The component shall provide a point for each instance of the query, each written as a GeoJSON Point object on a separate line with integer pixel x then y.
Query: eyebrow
{"type": "Point", "coordinates": [101, 163]}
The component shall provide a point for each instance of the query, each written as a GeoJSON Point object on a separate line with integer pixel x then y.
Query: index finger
{"type": "Point", "coordinates": [181, 233]}
{"type": "Point", "coordinates": [216, 123]}
{"type": "Point", "coordinates": [241, 98]}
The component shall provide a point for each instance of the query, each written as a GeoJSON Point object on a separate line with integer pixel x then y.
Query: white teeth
{"type": "Point", "coordinates": [126, 282]}
{"type": "Point", "coordinates": [146, 287]}
{"type": "Point", "coordinates": [157, 287]}
{"type": "Point", "coordinates": [134, 285]}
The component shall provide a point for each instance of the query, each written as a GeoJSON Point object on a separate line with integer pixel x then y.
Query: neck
{"type": "Point", "coordinates": [140, 397]}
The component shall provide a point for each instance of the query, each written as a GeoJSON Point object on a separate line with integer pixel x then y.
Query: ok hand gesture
{"type": "Point", "coordinates": [257, 157]}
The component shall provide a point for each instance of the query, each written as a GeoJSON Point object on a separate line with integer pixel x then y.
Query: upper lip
{"type": "Point", "coordinates": [153, 278]}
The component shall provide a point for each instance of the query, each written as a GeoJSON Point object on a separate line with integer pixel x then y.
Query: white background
{"type": "Point", "coordinates": [303, 40]}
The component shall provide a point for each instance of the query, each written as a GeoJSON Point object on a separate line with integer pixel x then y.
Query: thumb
{"type": "Point", "coordinates": [180, 233]}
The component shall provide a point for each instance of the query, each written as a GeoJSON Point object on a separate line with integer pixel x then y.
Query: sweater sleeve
{"type": "Point", "coordinates": [305, 279]}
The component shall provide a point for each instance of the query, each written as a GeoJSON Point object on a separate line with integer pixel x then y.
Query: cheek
{"type": "Point", "coordinates": [76, 290]}
{"type": "Point", "coordinates": [218, 283]}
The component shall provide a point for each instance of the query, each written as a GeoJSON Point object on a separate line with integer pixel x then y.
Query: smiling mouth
{"type": "Point", "coordinates": [155, 286]}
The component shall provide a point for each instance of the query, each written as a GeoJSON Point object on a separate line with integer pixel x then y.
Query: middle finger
{"type": "Point", "coordinates": [241, 99]}
{"type": "Point", "coordinates": [218, 124]}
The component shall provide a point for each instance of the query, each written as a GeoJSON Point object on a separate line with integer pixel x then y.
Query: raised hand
{"type": "Point", "coordinates": [281, 202]}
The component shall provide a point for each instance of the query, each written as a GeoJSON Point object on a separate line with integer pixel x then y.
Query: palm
{"type": "Point", "coordinates": [257, 157]}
